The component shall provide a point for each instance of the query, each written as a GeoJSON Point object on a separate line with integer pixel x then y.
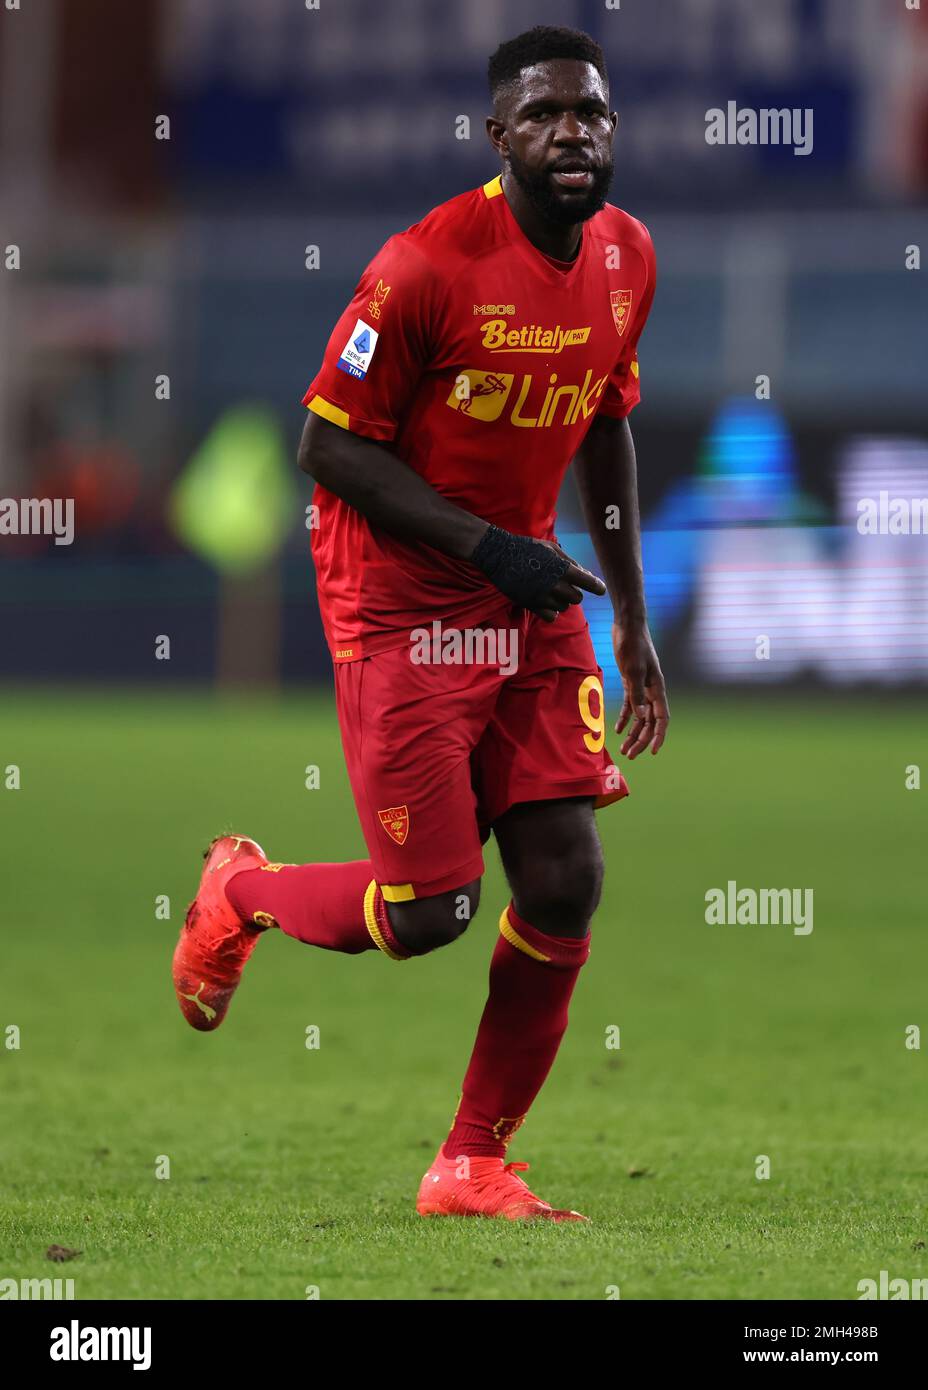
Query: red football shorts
{"type": "Point", "coordinates": [441, 739]}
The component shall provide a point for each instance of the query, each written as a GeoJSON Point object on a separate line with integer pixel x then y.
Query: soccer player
{"type": "Point", "coordinates": [484, 349]}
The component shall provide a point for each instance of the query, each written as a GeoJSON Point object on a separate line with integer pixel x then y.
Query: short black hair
{"type": "Point", "coordinates": [539, 45]}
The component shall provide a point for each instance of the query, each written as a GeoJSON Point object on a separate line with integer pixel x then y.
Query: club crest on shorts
{"type": "Point", "coordinates": [621, 301]}
{"type": "Point", "coordinates": [395, 822]}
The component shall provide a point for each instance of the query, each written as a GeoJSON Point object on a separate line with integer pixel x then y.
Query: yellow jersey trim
{"type": "Point", "coordinates": [320, 406]}
{"type": "Point", "coordinates": [514, 939]}
{"type": "Point", "coordinates": [494, 188]}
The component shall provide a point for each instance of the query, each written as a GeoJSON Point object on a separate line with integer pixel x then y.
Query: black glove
{"type": "Point", "coordinates": [522, 568]}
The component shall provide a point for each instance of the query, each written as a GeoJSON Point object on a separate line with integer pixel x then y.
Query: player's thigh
{"type": "Point", "coordinates": [408, 732]}
{"type": "Point", "coordinates": [547, 737]}
{"type": "Point", "coordinates": [553, 860]}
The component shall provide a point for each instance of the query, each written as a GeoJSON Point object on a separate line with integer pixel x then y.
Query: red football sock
{"type": "Point", "coordinates": [336, 906]}
{"type": "Point", "coordinates": [532, 977]}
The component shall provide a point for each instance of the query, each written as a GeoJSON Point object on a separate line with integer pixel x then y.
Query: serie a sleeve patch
{"type": "Point", "coordinates": [356, 355]}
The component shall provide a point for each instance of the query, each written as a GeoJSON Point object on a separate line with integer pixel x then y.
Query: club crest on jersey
{"type": "Point", "coordinates": [395, 822]}
{"type": "Point", "coordinates": [375, 308]}
{"type": "Point", "coordinates": [358, 351]}
{"type": "Point", "coordinates": [621, 301]}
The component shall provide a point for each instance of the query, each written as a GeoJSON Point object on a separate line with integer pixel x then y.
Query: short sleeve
{"type": "Point", "coordinates": [380, 346]}
{"type": "Point", "coordinates": [623, 389]}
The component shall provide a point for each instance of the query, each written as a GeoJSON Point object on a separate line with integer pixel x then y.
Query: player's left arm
{"type": "Point", "coordinates": [607, 479]}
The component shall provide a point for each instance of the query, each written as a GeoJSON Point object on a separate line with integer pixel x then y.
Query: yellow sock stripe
{"type": "Point", "coordinates": [398, 893]}
{"type": "Point", "coordinates": [370, 921]}
{"type": "Point", "coordinates": [514, 939]}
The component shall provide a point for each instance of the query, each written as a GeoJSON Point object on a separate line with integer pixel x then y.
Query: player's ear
{"type": "Point", "coordinates": [496, 133]}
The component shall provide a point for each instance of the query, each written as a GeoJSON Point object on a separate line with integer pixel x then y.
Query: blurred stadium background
{"type": "Point", "coordinates": [293, 128]}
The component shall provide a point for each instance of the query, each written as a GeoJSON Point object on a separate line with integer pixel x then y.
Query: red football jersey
{"type": "Point", "coordinates": [480, 362]}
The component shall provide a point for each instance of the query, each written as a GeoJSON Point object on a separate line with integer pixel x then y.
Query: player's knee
{"type": "Point", "coordinates": [427, 923]}
{"type": "Point", "coordinates": [561, 892]}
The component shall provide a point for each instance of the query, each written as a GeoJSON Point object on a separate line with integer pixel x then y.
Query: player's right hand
{"type": "Point", "coordinates": [566, 590]}
{"type": "Point", "coordinates": [535, 574]}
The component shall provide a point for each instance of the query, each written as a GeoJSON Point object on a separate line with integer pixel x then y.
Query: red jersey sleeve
{"type": "Point", "coordinates": [380, 346]}
{"type": "Point", "coordinates": [623, 389]}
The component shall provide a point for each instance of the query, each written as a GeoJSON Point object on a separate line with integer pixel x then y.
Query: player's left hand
{"type": "Point", "coordinates": [645, 694]}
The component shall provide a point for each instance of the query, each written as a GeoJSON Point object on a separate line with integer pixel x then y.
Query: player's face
{"type": "Point", "coordinates": [555, 131]}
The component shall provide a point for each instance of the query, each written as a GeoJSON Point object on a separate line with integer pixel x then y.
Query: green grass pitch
{"type": "Point", "coordinates": [293, 1168]}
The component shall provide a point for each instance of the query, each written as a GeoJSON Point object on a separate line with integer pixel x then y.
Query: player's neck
{"type": "Point", "coordinates": [563, 243]}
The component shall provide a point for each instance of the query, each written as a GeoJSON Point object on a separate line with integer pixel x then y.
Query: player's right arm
{"type": "Point", "coordinates": [373, 365]}
{"type": "Point", "coordinates": [385, 489]}
{"type": "Point", "coordinates": [393, 496]}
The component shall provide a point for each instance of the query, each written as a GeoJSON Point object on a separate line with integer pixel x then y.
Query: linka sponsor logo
{"type": "Point", "coordinates": [539, 404]}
